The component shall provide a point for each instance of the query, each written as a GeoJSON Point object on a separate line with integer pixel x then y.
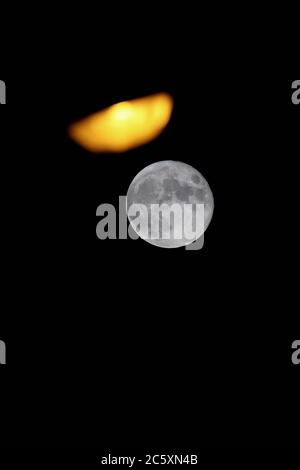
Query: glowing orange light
{"type": "Point", "coordinates": [124, 125]}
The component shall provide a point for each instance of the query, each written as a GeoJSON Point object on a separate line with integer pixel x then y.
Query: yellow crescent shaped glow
{"type": "Point", "coordinates": [124, 125]}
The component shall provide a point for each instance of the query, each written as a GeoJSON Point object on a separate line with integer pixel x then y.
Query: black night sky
{"type": "Point", "coordinates": [118, 342]}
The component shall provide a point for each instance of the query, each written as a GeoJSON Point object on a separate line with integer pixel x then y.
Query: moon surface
{"type": "Point", "coordinates": [168, 182]}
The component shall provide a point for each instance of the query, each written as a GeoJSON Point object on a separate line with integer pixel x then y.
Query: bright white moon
{"type": "Point", "coordinates": [168, 182]}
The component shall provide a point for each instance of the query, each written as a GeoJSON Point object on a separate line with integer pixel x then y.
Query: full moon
{"type": "Point", "coordinates": [168, 183]}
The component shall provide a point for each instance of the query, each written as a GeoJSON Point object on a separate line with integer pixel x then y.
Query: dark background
{"type": "Point", "coordinates": [118, 342]}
